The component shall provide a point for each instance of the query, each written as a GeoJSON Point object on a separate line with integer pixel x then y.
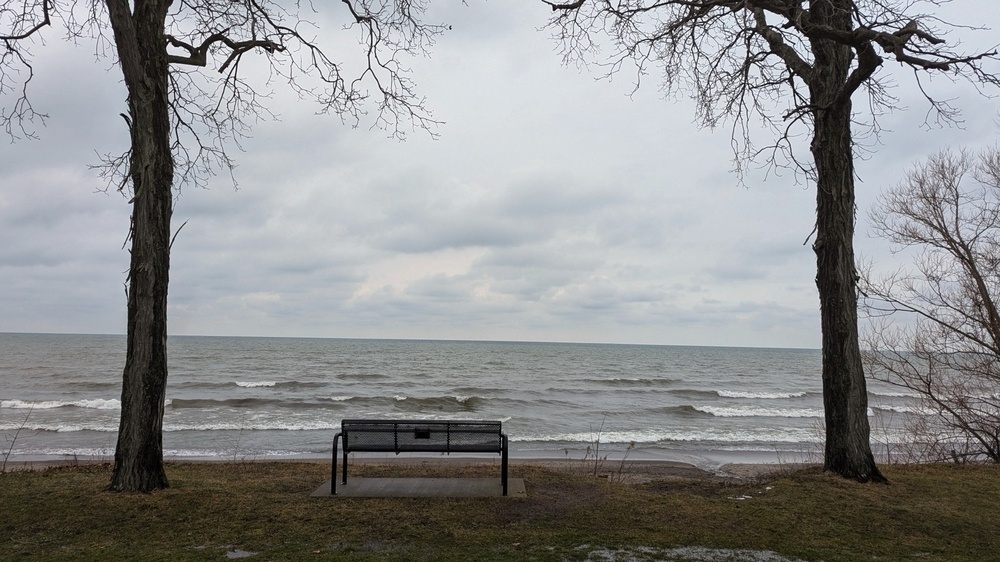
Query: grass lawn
{"type": "Point", "coordinates": [214, 510]}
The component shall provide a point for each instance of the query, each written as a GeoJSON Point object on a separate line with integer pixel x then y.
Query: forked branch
{"type": "Point", "coordinates": [198, 56]}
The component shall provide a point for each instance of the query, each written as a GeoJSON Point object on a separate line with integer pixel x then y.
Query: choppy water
{"type": "Point", "coordinates": [271, 397]}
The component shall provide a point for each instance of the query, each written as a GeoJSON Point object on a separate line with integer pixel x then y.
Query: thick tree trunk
{"type": "Point", "coordinates": [142, 54]}
{"type": "Point", "coordinates": [845, 394]}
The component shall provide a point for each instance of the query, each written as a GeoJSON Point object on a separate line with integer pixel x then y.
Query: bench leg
{"type": "Point", "coordinates": [503, 463]}
{"type": "Point", "coordinates": [333, 472]}
{"type": "Point", "coordinates": [345, 466]}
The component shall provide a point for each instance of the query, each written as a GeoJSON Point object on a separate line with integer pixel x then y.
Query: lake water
{"type": "Point", "coordinates": [234, 397]}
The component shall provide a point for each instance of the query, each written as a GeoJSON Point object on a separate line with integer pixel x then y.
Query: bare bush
{"type": "Point", "coordinates": [12, 440]}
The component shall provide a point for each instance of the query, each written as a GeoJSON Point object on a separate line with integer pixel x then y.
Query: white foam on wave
{"type": "Point", "coordinates": [262, 424]}
{"type": "Point", "coordinates": [96, 404]}
{"type": "Point", "coordinates": [111, 425]}
{"type": "Point", "coordinates": [107, 453]}
{"type": "Point", "coordinates": [256, 384]}
{"type": "Point", "coordinates": [904, 409]}
{"type": "Point", "coordinates": [769, 435]}
{"type": "Point", "coordinates": [79, 453]}
{"type": "Point", "coordinates": [100, 426]}
{"type": "Point", "coordinates": [108, 418]}
{"type": "Point", "coordinates": [759, 395]}
{"type": "Point", "coordinates": [895, 394]}
{"type": "Point", "coordinates": [755, 412]}
{"type": "Point", "coordinates": [344, 398]}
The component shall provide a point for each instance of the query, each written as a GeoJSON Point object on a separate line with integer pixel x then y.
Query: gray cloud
{"type": "Point", "coordinates": [553, 207]}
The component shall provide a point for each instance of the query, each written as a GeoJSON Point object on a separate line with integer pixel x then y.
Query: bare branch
{"type": "Point", "coordinates": [198, 56]}
{"type": "Point", "coordinates": [694, 44]}
{"type": "Point", "coordinates": [19, 26]}
{"type": "Point", "coordinates": [24, 25]}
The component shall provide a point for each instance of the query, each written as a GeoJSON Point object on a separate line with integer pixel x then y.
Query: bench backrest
{"type": "Point", "coordinates": [422, 436]}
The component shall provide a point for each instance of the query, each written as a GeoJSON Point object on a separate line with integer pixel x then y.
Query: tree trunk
{"type": "Point", "coordinates": [142, 55]}
{"type": "Point", "coordinates": [845, 394]}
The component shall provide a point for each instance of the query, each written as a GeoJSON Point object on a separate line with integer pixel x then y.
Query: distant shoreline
{"type": "Point", "coordinates": [433, 340]}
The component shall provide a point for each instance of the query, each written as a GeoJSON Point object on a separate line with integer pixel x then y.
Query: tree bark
{"type": "Point", "coordinates": [142, 53]}
{"type": "Point", "coordinates": [845, 394]}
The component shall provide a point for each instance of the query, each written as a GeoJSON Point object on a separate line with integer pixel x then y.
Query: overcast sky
{"type": "Point", "coordinates": [553, 207]}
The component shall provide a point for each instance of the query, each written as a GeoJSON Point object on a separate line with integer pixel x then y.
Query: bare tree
{"type": "Point", "coordinates": [948, 211]}
{"type": "Point", "coordinates": [739, 60]}
{"type": "Point", "coordinates": [181, 122]}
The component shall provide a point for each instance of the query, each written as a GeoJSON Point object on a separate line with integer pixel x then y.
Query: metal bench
{"type": "Point", "coordinates": [420, 436]}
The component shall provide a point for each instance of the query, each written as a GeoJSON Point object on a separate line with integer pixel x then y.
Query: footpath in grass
{"type": "Point", "coordinates": [263, 511]}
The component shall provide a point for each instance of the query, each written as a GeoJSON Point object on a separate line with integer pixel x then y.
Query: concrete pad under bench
{"type": "Point", "coordinates": [423, 488]}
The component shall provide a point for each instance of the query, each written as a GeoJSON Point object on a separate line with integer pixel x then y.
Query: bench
{"type": "Point", "coordinates": [420, 436]}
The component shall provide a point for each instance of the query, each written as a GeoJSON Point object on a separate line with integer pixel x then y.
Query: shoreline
{"type": "Point", "coordinates": [708, 460]}
{"type": "Point", "coordinates": [629, 470]}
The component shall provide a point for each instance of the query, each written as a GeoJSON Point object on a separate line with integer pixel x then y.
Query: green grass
{"type": "Point", "coordinates": [929, 512]}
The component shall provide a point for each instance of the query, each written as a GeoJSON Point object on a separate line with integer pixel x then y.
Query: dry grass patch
{"type": "Point", "coordinates": [928, 512]}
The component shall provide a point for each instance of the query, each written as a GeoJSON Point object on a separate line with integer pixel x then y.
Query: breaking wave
{"type": "Point", "coordinates": [759, 412]}
{"type": "Point", "coordinates": [95, 404]}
